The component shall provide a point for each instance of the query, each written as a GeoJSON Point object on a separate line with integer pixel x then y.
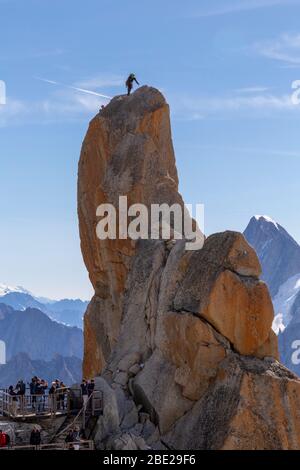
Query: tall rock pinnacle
{"type": "Point", "coordinates": [180, 341]}
{"type": "Point", "coordinates": [127, 151]}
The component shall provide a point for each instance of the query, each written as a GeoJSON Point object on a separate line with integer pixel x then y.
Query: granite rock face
{"type": "Point", "coordinates": [127, 151]}
{"type": "Point", "coordinates": [182, 339]}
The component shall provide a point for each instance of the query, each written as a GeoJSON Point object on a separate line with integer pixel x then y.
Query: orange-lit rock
{"type": "Point", "coordinates": [190, 344]}
{"type": "Point", "coordinates": [241, 310]}
{"type": "Point", "coordinates": [127, 151]}
{"type": "Point", "coordinates": [181, 341]}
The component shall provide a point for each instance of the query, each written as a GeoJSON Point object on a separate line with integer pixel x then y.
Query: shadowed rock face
{"type": "Point", "coordinates": [182, 339]}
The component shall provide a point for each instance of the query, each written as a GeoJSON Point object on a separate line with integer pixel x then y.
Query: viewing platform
{"type": "Point", "coordinates": [66, 401]}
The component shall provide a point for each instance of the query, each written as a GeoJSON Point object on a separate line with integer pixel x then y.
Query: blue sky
{"type": "Point", "coordinates": [225, 67]}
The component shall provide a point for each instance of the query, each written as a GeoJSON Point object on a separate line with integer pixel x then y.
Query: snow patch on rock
{"type": "Point", "coordinates": [283, 302]}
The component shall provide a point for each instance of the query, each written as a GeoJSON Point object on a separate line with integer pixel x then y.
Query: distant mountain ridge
{"type": "Point", "coordinates": [68, 311]}
{"type": "Point", "coordinates": [21, 301]}
{"type": "Point", "coordinates": [23, 367]}
{"type": "Point", "coordinates": [4, 289]}
{"type": "Point", "coordinates": [31, 331]}
{"type": "Point", "coordinates": [278, 252]}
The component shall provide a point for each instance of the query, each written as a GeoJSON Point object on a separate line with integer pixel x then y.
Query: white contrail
{"type": "Point", "coordinates": [82, 90]}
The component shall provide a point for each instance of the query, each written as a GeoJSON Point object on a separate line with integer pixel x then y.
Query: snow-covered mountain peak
{"type": "Point", "coordinates": [266, 218]}
{"type": "Point", "coordinates": [4, 289]}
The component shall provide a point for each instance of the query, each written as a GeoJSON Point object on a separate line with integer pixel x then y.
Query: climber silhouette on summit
{"type": "Point", "coordinates": [129, 83]}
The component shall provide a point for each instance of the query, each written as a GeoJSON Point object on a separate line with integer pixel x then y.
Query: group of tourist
{"type": "Point", "coordinates": [42, 397]}
{"type": "Point", "coordinates": [38, 388]}
{"type": "Point", "coordinates": [35, 438]}
{"type": "Point", "coordinates": [72, 439]}
{"type": "Point", "coordinates": [38, 395]}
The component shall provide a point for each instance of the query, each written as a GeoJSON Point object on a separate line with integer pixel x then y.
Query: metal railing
{"type": "Point", "coordinates": [63, 401]}
{"type": "Point", "coordinates": [92, 407]}
{"type": "Point", "coordinates": [76, 445]}
{"type": "Point", "coordinates": [16, 406]}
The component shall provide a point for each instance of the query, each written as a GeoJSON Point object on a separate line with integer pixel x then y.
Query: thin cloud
{"type": "Point", "coordinates": [236, 103]}
{"type": "Point", "coordinates": [241, 6]}
{"type": "Point", "coordinates": [70, 87]}
{"type": "Point", "coordinates": [11, 111]}
{"type": "Point", "coordinates": [31, 55]}
{"type": "Point", "coordinates": [101, 82]}
{"type": "Point", "coordinates": [285, 49]}
{"type": "Point", "coordinates": [63, 105]}
{"type": "Point", "coordinates": [250, 90]}
{"type": "Point", "coordinates": [253, 150]}
{"type": "Point", "coordinates": [186, 107]}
